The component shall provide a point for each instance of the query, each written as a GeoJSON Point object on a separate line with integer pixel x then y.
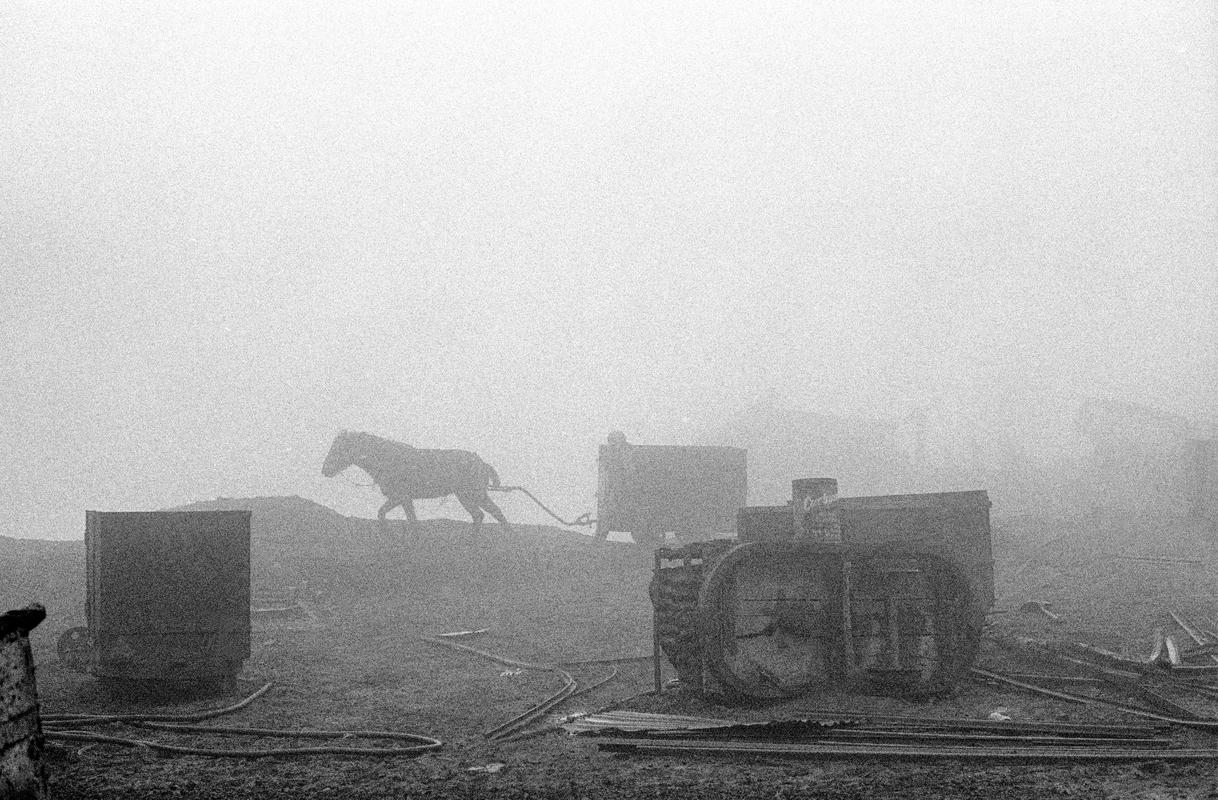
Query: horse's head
{"type": "Point", "coordinates": [339, 457]}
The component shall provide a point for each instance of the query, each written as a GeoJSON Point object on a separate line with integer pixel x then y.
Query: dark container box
{"type": "Point", "coordinates": [168, 594]}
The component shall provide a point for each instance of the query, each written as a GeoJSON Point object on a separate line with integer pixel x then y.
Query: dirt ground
{"type": "Point", "coordinates": [546, 595]}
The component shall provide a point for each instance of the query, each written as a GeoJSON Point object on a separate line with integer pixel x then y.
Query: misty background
{"type": "Point", "coordinates": [917, 246]}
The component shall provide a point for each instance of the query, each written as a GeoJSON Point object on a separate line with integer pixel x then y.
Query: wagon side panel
{"type": "Point", "coordinates": [671, 488]}
{"type": "Point", "coordinates": [169, 592]}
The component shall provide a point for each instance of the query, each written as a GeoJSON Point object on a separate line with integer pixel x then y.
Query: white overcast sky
{"type": "Point", "coordinates": [230, 228]}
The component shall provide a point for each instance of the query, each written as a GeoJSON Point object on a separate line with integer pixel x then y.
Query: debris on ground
{"type": "Point", "coordinates": [1040, 607]}
{"type": "Point", "coordinates": [488, 769]}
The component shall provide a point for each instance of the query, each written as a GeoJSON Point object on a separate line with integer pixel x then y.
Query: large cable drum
{"type": "Point", "coordinates": [880, 594]}
{"type": "Point", "coordinates": [786, 619]}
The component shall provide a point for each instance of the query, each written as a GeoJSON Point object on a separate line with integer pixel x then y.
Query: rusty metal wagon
{"type": "Point", "coordinates": [168, 600]}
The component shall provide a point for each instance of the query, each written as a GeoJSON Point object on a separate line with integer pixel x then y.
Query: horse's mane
{"type": "Point", "coordinates": [374, 437]}
{"type": "Point", "coordinates": [378, 443]}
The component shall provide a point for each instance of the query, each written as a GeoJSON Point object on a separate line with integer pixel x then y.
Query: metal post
{"type": "Point", "coordinates": [22, 769]}
{"type": "Point", "coordinates": [655, 628]}
{"type": "Point", "coordinates": [847, 621]}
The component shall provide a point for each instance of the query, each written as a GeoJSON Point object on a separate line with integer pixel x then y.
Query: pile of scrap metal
{"type": "Point", "coordinates": [844, 734]}
{"type": "Point", "coordinates": [22, 773]}
{"type": "Point", "coordinates": [1040, 607]}
{"type": "Point", "coordinates": [1173, 685]}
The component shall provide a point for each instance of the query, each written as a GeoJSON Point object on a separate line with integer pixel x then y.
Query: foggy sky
{"type": "Point", "coordinates": [229, 231]}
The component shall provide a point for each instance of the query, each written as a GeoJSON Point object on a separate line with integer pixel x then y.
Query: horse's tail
{"type": "Point", "coordinates": [492, 476]}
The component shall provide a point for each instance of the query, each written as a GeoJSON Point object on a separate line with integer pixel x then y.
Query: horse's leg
{"type": "Point", "coordinates": [386, 507]}
{"type": "Point", "coordinates": [412, 521]}
{"type": "Point", "coordinates": [471, 505]}
{"type": "Point", "coordinates": [486, 502]}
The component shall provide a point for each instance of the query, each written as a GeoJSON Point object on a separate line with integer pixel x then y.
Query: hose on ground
{"type": "Point", "coordinates": [62, 727]}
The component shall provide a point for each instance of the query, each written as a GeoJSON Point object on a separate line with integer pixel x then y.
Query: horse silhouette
{"type": "Point", "coordinates": [405, 474]}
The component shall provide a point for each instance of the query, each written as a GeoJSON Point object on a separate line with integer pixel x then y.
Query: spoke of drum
{"type": "Point", "coordinates": [894, 633]}
{"type": "Point", "coordinates": [848, 662]}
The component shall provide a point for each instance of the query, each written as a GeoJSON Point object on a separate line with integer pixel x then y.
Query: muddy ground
{"type": "Point", "coordinates": [360, 662]}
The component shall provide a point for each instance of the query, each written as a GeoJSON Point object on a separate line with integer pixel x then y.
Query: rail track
{"type": "Point", "coordinates": [517, 727]}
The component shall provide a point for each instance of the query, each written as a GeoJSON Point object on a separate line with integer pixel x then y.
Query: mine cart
{"type": "Point", "coordinates": [651, 490]}
{"type": "Point", "coordinates": [22, 771]}
{"type": "Point", "coordinates": [875, 594]}
{"type": "Point", "coordinates": [168, 600]}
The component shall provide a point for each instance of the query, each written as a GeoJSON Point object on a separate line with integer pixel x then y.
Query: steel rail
{"type": "Point", "coordinates": [988, 753]}
{"type": "Point", "coordinates": [818, 721]}
{"type": "Point", "coordinates": [527, 734]}
{"type": "Point", "coordinates": [879, 734]}
{"type": "Point", "coordinates": [598, 684]}
{"type": "Point", "coordinates": [1065, 728]}
{"type": "Point", "coordinates": [1031, 687]}
{"type": "Point", "coordinates": [523, 734]}
{"type": "Point", "coordinates": [505, 729]}
{"type": "Point", "coordinates": [510, 729]}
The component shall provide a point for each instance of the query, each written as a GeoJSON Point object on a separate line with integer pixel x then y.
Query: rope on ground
{"type": "Point", "coordinates": [61, 727]}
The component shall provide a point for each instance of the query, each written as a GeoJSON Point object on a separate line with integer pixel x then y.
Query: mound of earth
{"type": "Point", "coordinates": [304, 548]}
{"type": "Point", "coordinates": [297, 543]}
{"type": "Point", "coordinates": [47, 572]}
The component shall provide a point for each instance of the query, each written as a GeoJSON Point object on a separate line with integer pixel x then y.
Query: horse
{"type": "Point", "coordinates": [405, 474]}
